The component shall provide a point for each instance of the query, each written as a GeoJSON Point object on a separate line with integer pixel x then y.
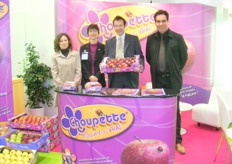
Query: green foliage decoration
{"type": "Point", "coordinates": [36, 76]}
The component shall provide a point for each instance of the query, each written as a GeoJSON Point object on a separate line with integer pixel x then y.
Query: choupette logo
{"type": "Point", "coordinates": [95, 122]}
{"type": "Point", "coordinates": [139, 19]}
{"type": "Point", "coordinates": [3, 9]}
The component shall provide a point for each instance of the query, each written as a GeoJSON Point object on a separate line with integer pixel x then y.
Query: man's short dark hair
{"type": "Point", "coordinates": [117, 18]}
{"type": "Point", "coordinates": [91, 27]}
{"type": "Point", "coordinates": [161, 12]}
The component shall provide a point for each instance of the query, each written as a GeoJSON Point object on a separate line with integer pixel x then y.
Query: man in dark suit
{"type": "Point", "coordinates": [166, 52]}
{"type": "Point", "coordinates": [123, 46]}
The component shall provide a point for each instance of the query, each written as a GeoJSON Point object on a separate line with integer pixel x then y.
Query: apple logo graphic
{"type": "Point", "coordinates": [145, 152]}
{"type": "Point", "coordinates": [1, 52]}
{"type": "Point", "coordinates": [191, 56]}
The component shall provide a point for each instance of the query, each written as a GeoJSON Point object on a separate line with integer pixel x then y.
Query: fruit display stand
{"type": "Point", "coordinates": [103, 128]}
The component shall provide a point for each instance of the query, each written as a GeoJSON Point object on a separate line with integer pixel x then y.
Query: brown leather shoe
{"type": "Point", "coordinates": [180, 148]}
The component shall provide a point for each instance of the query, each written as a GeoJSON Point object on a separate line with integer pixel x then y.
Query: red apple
{"type": "Point", "coordinates": [191, 56]}
{"type": "Point", "coordinates": [145, 152]}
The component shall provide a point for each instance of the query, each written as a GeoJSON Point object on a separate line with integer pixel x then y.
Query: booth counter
{"type": "Point", "coordinates": [97, 128]}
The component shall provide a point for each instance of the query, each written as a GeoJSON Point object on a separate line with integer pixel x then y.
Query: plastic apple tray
{"type": "Point", "coordinates": [120, 65]}
{"type": "Point", "coordinates": [32, 145]}
{"type": "Point", "coordinates": [41, 127]}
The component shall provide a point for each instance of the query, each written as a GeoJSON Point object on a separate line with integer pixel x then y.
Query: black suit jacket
{"type": "Point", "coordinates": [176, 56]}
{"type": "Point", "coordinates": [131, 47]}
{"type": "Point", "coordinates": [86, 65]}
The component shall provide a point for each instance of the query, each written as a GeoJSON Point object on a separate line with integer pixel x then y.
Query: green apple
{"type": "Point", "coordinates": [25, 154]}
{"type": "Point", "coordinates": [13, 158]}
{"type": "Point", "coordinates": [2, 161]}
{"type": "Point", "coordinates": [12, 140]}
{"type": "Point", "coordinates": [18, 153]}
{"type": "Point", "coordinates": [20, 162]}
{"type": "Point", "coordinates": [1, 156]}
{"type": "Point", "coordinates": [7, 161]}
{"type": "Point", "coordinates": [7, 139]}
{"type": "Point", "coordinates": [25, 159]}
{"type": "Point", "coordinates": [19, 158]}
{"type": "Point", "coordinates": [5, 151]}
{"type": "Point", "coordinates": [13, 136]}
{"type": "Point", "coordinates": [7, 156]}
{"type": "Point", "coordinates": [30, 155]}
{"type": "Point", "coordinates": [12, 152]}
{"type": "Point", "coordinates": [18, 141]}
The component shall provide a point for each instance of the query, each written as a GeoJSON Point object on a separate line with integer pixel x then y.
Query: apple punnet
{"type": "Point", "coordinates": [145, 152]}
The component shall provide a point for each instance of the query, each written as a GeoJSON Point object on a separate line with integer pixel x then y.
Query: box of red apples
{"type": "Point", "coordinates": [30, 122]}
{"type": "Point", "coordinates": [21, 140]}
{"type": "Point", "coordinates": [131, 64]}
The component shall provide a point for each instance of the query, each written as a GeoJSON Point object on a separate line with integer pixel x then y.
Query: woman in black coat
{"type": "Point", "coordinates": [91, 56]}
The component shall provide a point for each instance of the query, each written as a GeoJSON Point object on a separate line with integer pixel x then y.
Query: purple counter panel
{"type": "Point", "coordinates": [98, 129]}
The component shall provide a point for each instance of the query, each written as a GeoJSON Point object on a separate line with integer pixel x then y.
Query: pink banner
{"type": "Point", "coordinates": [6, 95]}
{"type": "Point", "coordinates": [193, 21]}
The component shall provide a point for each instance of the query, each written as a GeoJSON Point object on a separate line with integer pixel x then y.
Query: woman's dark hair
{"type": "Point", "coordinates": [93, 27]}
{"type": "Point", "coordinates": [161, 12]}
{"type": "Point", "coordinates": [117, 18]}
{"type": "Point", "coordinates": [57, 42]}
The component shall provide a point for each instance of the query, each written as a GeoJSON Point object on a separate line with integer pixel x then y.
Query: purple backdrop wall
{"type": "Point", "coordinates": [6, 95]}
{"type": "Point", "coordinates": [193, 21]}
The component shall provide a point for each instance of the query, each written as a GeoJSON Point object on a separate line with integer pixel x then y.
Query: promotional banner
{"type": "Point", "coordinates": [194, 21]}
{"type": "Point", "coordinates": [99, 130]}
{"type": "Point", "coordinates": [6, 95]}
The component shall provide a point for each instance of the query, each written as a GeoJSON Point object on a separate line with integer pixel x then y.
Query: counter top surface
{"type": "Point", "coordinates": [108, 92]}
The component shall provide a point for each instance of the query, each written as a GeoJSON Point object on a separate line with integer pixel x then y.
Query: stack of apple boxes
{"type": "Point", "coordinates": [50, 126]}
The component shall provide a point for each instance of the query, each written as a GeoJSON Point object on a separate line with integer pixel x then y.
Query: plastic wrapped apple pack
{"type": "Point", "coordinates": [120, 65]}
{"type": "Point", "coordinates": [93, 87]}
{"type": "Point", "coordinates": [70, 86]}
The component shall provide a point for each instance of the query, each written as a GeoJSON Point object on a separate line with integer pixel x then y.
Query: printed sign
{"type": "Point", "coordinates": [140, 22]}
{"type": "Point", "coordinates": [3, 9]}
{"type": "Point", "coordinates": [95, 122]}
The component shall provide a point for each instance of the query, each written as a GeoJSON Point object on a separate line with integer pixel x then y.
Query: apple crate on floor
{"type": "Point", "coordinates": [38, 125]}
{"type": "Point", "coordinates": [10, 155]}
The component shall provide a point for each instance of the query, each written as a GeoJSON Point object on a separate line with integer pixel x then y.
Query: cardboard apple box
{"type": "Point", "coordinates": [25, 125]}
{"type": "Point", "coordinates": [109, 65]}
{"type": "Point", "coordinates": [31, 161]}
{"type": "Point", "coordinates": [34, 145]}
{"type": "Point", "coordinates": [50, 145]}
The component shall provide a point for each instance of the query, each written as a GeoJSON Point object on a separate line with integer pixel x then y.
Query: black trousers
{"type": "Point", "coordinates": [165, 82]}
{"type": "Point", "coordinates": [121, 80]}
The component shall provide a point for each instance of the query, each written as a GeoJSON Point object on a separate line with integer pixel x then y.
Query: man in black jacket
{"type": "Point", "coordinates": [166, 52]}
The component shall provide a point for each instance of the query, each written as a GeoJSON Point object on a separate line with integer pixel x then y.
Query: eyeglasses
{"type": "Point", "coordinates": [93, 30]}
{"type": "Point", "coordinates": [159, 21]}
